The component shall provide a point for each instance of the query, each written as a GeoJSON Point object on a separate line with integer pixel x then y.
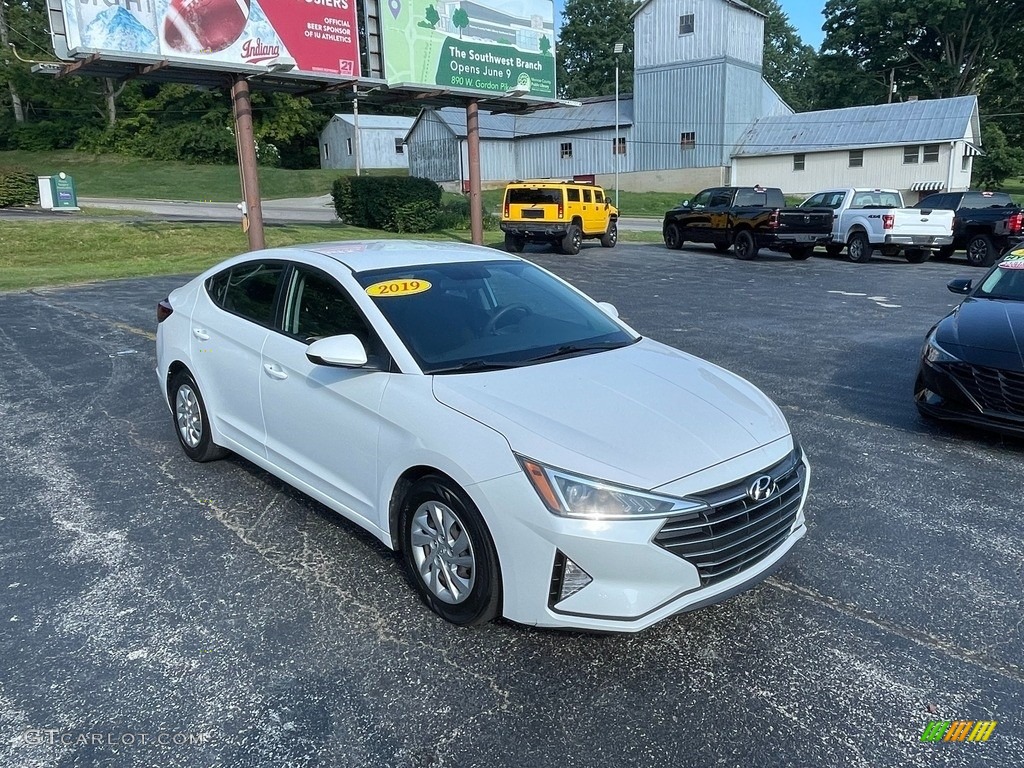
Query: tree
{"type": "Point", "coordinates": [1001, 160]}
{"type": "Point", "coordinates": [432, 16]}
{"type": "Point", "coordinates": [934, 49]}
{"type": "Point", "coordinates": [585, 58]}
{"type": "Point", "coordinates": [460, 19]}
{"type": "Point", "coordinates": [5, 54]}
{"type": "Point", "coordinates": [788, 62]}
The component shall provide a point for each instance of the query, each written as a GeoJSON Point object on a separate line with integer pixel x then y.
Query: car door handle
{"type": "Point", "coordinates": [200, 334]}
{"type": "Point", "coordinates": [274, 372]}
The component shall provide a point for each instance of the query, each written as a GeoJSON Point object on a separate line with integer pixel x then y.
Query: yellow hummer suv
{"type": "Point", "coordinates": [562, 213]}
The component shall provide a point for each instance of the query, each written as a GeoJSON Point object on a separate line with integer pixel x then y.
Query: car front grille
{"type": "Point", "coordinates": [995, 390]}
{"type": "Point", "coordinates": [737, 531]}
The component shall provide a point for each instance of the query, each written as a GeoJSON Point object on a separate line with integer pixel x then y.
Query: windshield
{"type": "Point", "coordinates": [479, 315]}
{"type": "Point", "coordinates": [1006, 280]}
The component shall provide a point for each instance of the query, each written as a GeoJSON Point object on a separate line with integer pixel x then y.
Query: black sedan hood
{"type": "Point", "coordinates": [988, 332]}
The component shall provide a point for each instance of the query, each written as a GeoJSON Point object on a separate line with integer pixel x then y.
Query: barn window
{"type": "Point", "coordinates": [327, 152]}
{"type": "Point", "coordinates": [798, 162]}
{"type": "Point", "coordinates": [686, 24]}
{"type": "Point", "coordinates": [910, 155]}
{"type": "Point", "coordinates": [687, 140]}
{"type": "Point", "coordinates": [856, 158]}
{"type": "Point", "coordinates": [348, 146]}
{"type": "Point", "coordinates": [566, 149]}
{"type": "Point", "coordinates": [619, 145]}
{"type": "Point", "coordinates": [931, 153]}
{"type": "Point", "coordinates": [399, 147]}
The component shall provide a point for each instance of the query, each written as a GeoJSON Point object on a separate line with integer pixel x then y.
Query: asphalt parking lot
{"type": "Point", "coordinates": [209, 607]}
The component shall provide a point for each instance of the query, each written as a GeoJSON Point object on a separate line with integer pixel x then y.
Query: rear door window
{"type": "Point", "coordinates": [249, 290]}
{"type": "Point", "coordinates": [573, 195]}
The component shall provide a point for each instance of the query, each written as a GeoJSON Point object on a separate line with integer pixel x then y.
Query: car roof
{"type": "Point", "coordinates": [363, 255]}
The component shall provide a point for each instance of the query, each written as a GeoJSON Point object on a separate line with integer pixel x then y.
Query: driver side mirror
{"type": "Point", "coordinates": [686, 203]}
{"type": "Point", "coordinates": [960, 285]}
{"type": "Point", "coordinates": [345, 351]}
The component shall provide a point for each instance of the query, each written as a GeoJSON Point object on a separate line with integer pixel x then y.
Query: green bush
{"type": "Point", "coordinates": [372, 201]}
{"type": "Point", "coordinates": [17, 187]}
{"type": "Point", "coordinates": [418, 216]}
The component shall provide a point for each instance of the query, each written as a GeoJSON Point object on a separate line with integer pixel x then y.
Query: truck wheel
{"type": "Point", "coordinates": [514, 243]}
{"type": "Point", "coordinates": [858, 249]}
{"type": "Point", "coordinates": [611, 237]}
{"type": "Point", "coordinates": [916, 255]}
{"type": "Point", "coordinates": [802, 253]}
{"type": "Point", "coordinates": [943, 253]}
{"type": "Point", "coordinates": [573, 240]}
{"type": "Point", "coordinates": [744, 245]}
{"type": "Point", "coordinates": [834, 249]}
{"type": "Point", "coordinates": [673, 237]}
{"type": "Point", "coordinates": [980, 251]}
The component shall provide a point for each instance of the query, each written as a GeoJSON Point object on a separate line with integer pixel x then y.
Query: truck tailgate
{"type": "Point", "coordinates": [805, 221]}
{"type": "Point", "coordinates": [924, 223]}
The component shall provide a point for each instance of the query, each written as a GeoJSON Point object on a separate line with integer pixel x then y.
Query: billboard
{"type": "Point", "coordinates": [319, 36]}
{"type": "Point", "coordinates": [495, 46]}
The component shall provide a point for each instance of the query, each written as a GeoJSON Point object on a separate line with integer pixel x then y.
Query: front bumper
{"type": "Point", "coordinates": [636, 581]}
{"type": "Point", "coordinates": [938, 394]}
{"type": "Point", "coordinates": [920, 241]}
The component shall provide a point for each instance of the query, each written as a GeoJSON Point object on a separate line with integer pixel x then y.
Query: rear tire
{"type": "Point", "coordinates": [514, 243]}
{"type": "Point", "coordinates": [744, 245]}
{"type": "Point", "coordinates": [802, 254]}
{"type": "Point", "coordinates": [611, 237]}
{"type": "Point", "coordinates": [916, 255]}
{"type": "Point", "coordinates": [573, 240]}
{"type": "Point", "coordinates": [673, 237]}
{"type": "Point", "coordinates": [191, 420]}
{"type": "Point", "coordinates": [448, 552]}
{"type": "Point", "coordinates": [981, 252]}
{"type": "Point", "coordinates": [858, 249]}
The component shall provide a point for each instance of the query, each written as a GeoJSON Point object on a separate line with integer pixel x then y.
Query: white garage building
{"type": "Point", "coordinates": [918, 147]}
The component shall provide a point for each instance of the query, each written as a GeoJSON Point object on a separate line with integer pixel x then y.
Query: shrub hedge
{"type": "Point", "coordinates": [387, 202]}
{"type": "Point", "coordinates": [17, 187]}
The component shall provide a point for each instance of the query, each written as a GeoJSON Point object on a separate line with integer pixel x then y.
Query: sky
{"type": "Point", "coordinates": [805, 15]}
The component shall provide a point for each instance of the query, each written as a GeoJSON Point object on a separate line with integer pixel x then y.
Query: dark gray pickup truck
{"type": "Point", "coordinates": [747, 219]}
{"type": "Point", "coordinates": [985, 224]}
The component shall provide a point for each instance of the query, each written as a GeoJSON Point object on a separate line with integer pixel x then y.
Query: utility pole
{"type": "Point", "coordinates": [355, 121]}
{"type": "Point", "coordinates": [19, 112]}
{"type": "Point", "coordinates": [476, 214]}
{"type": "Point", "coordinates": [252, 209]}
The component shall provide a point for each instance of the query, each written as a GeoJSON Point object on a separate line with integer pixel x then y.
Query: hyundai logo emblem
{"type": "Point", "coordinates": [762, 488]}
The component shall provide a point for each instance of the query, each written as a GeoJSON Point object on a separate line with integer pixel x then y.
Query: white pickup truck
{"type": "Point", "coordinates": [868, 219]}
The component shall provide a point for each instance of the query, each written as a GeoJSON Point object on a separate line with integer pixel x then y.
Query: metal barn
{"type": "Point", "coordinates": [380, 142]}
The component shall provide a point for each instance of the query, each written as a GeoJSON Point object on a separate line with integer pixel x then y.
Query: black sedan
{"type": "Point", "coordinates": [972, 364]}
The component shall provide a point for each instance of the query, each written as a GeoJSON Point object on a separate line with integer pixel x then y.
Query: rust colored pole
{"type": "Point", "coordinates": [246, 141]}
{"type": "Point", "coordinates": [476, 213]}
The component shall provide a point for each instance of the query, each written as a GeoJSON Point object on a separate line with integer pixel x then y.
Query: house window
{"type": "Point", "coordinates": [619, 146]}
{"type": "Point", "coordinates": [931, 153]}
{"type": "Point", "coordinates": [856, 158]}
{"type": "Point", "coordinates": [798, 162]}
{"type": "Point", "coordinates": [687, 140]}
{"type": "Point", "coordinates": [910, 155]}
{"type": "Point", "coordinates": [399, 147]}
{"type": "Point", "coordinates": [566, 149]}
{"type": "Point", "coordinates": [327, 152]}
{"type": "Point", "coordinates": [965, 163]}
{"type": "Point", "coordinates": [348, 146]}
{"type": "Point", "coordinates": [686, 24]}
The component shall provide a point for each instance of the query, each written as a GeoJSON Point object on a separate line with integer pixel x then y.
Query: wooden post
{"type": "Point", "coordinates": [247, 164]}
{"type": "Point", "coordinates": [476, 214]}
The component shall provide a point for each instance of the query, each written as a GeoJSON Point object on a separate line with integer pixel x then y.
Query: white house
{"type": "Point", "coordinates": [380, 142]}
{"type": "Point", "coordinates": [918, 147]}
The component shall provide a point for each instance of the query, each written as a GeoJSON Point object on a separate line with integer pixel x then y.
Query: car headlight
{"type": "Point", "coordinates": [935, 354]}
{"type": "Point", "coordinates": [570, 495]}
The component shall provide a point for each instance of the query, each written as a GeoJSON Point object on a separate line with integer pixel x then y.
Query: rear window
{"type": "Point", "coordinates": [876, 200]}
{"type": "Point", "coordinates": [986, 200]}
{"type": "Point", "coordinates": [759, 198]}
{"type": "Point", "coordinates": [526, 196]}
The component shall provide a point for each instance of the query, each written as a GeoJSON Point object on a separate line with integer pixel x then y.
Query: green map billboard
{"type": "Point", "coordinates": [494, 46]}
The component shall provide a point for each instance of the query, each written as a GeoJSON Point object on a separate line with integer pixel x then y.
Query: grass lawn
{"type": "Point", "coordinates": [53, 253]}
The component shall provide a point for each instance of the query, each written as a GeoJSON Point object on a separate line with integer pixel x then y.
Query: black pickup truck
{"type": "Point", "coordinates": [985, 224]}
{"type": "Point", "coordinates": [747, 219]}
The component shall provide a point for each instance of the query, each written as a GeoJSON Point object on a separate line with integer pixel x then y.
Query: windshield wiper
{"type": "Point", "coordinates": [572, 349]}
{"type": "Point", "coordinates": [473, 365]}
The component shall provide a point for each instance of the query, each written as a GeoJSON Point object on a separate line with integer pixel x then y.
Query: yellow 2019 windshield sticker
{"type": "Point", "coordinates": [1015, 260]}
{"type": "Point", "coordinates": [398, 288]}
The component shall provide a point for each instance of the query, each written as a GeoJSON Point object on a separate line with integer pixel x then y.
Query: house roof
{"type": "Point", "coordinates": [734, 3]}
{"type": "Point", "coordinates": [909, 122]}
{"type": "Point", "coordinates": [595, 113]}
{"type": "Point", "coordinates": [387, 122]}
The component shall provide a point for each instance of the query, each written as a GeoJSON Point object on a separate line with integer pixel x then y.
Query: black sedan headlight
{"type": "Point", "coordinates": [934, 353]}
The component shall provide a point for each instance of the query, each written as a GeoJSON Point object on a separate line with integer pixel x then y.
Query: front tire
{"type": "Point", "coordinates": [744, 245]}
{"type": "Point", "coordinates": [611, 237]}
{"type": "Point", "coordinates": [191, 420]}
{"type": "Point", "coordinates": [858, 249]}
{"type": "Point", "coordinates": [448, 552]}
{"type": "Point", "coordinates": [573, 240]}
{"type": "Point", "coordinates": [980, 251]}
{"type": "Point", "coordinates": [673, 237]}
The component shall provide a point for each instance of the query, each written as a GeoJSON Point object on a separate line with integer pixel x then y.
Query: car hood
{"type": "Point", "coordinates": [642, 415]}
{"type": "Point", "coordinates": [988, 332]}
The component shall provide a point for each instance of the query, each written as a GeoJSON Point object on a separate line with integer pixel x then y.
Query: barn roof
{"type": "Point", "coordinates": [386, 122]}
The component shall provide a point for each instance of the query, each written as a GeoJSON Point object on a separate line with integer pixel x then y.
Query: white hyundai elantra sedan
{"type": "Point", "coordinates": [529, 454]}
